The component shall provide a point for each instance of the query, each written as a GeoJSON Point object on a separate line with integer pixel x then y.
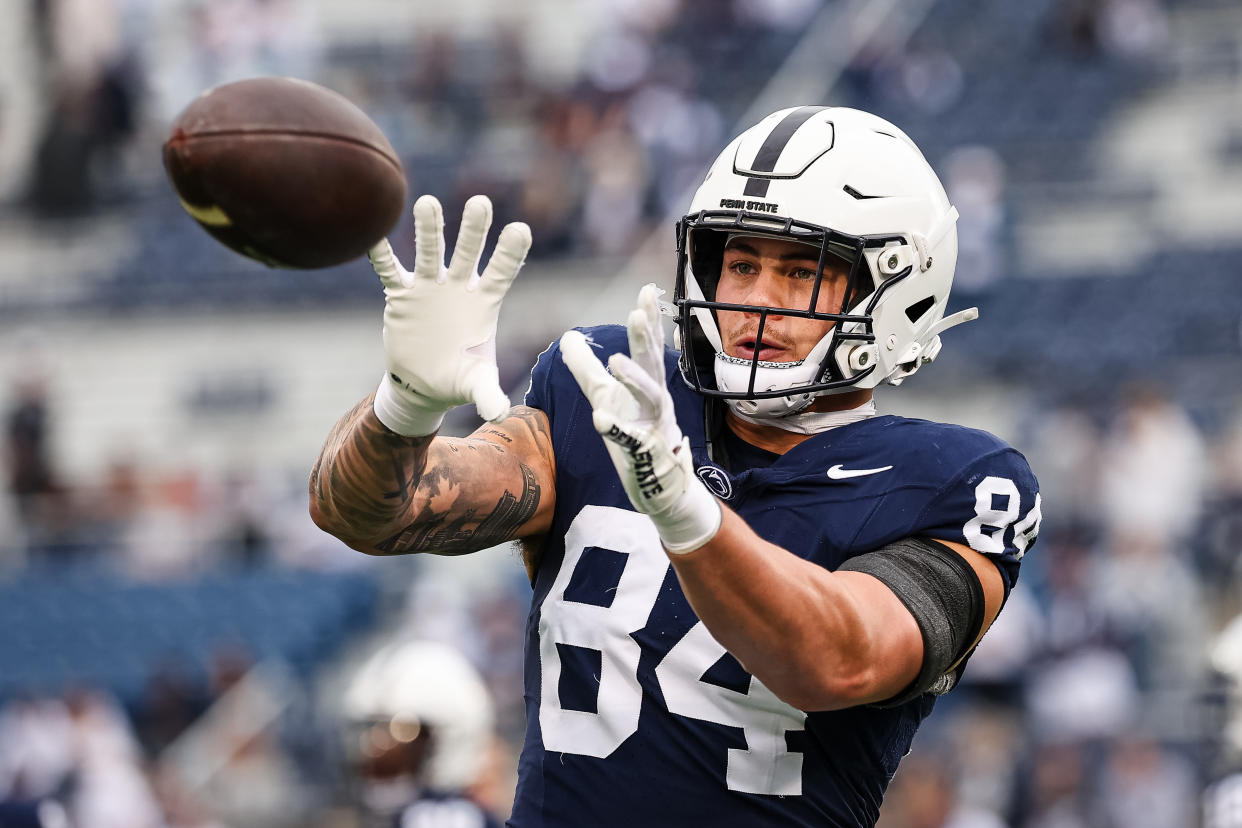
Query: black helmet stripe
{"type": "Point", "coordinates": [774, 144]}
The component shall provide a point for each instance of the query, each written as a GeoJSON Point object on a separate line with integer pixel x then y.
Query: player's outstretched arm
{"type": "Point", "coordinates": [819, 640]}
{"type": "Point", "coordinates": [384, 483]}
{"type": "Point", "coordinates": [387, 494]}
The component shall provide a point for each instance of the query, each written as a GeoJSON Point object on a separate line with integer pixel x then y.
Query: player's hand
{"type": "Point", "coordinates": [440, 322]}
{"type": "Point", "coordinates": [633, 411]}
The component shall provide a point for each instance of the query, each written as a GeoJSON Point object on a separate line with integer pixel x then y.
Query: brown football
{"type": "Point", "coordinates": [285, 172]}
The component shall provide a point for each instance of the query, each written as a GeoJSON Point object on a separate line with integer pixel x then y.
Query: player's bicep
{"type": "Point", "coordinates": [990, 581]}
{"type": "Point", "coordinates": [931, 602]}
{"type": "Point", "coordinates": [494, 486]}
{"type": "Point", "coordinates": [525, 440]}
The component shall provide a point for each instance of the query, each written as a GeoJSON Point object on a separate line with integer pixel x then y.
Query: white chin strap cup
{"type": "Point", "coordinates": [733, 374]}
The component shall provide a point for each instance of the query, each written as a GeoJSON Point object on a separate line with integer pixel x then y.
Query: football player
{"type": "Point", "coordinates": [419, 722]}
{"type": "Point", "coordinates": [749, 588]}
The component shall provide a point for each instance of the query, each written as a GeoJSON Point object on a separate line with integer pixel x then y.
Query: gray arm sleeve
{"type": "Point", "coordinates": [944, 595]}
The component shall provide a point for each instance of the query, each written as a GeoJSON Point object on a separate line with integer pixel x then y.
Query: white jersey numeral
{"type": "Point", "coordinates": [606, 629]}
{"type": "Point", "coordinates": [985, 532]}
{"type": "Point", "coordinates": [766, 766]}
{"type": "Point", "coordinates": [1028, 529]}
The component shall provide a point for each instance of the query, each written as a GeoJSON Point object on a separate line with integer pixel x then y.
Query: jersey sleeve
{"type": "Point", "coordinates": [552, 386]}
{"type": "Point", "coordinates": [540, 393]}
{"type": "Point", "coordinates": [992, 506]}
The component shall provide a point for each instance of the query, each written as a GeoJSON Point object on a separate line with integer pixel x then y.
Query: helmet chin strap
{"type": "Point", "coordinates": [734, 374]}
{"type": "Point", "coordinates": [810, 422]}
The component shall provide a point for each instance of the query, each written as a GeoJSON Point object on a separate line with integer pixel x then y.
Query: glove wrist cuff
{"type": "Point", "coordinates": [402, 415]}
{"type": "Point", "coordinates": [693, 520]}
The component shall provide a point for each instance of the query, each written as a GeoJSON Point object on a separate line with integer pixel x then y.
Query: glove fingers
{"type": "Point", "coordinates": [645, 334]}
{"type": "Point", "coordinates": [588, 371]}
{"type": "Point", "coordinates": [476, 219]}
{"type": "Point", "coordinates": [507, 258]}
{"type": "Point", "coordinates": [649, 304]}
{"type": "Point", "coordinates": [642, 348]}
{"type": "Point", "coordinates": [646, 389]}
{"type": "Point", "coordinates": [428, 237]}
{"type": "Point", "coordinates": [489, 401]}
{"type": "Point", "coordinates": [386, 266]}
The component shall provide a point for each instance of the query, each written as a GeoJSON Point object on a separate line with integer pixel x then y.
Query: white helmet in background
{"type": "Point", "coordinates": [413, 690]}
{"type": "Point", "coordinates": [858, 189]}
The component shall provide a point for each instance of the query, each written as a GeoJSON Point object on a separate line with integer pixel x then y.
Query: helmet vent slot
{"type": "Point", "coordinates": [915, 312]}
{"type": "Point", "coordinates": [850, 191]}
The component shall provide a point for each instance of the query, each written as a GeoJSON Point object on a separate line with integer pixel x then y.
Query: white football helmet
{"type": "Point", "coordinates": [409, 688]}
{"type": "Point", "coordinates": [857, 188]}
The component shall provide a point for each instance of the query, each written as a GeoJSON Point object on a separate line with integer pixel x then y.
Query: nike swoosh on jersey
{"type": "Point", "coordinates": [838, 473]}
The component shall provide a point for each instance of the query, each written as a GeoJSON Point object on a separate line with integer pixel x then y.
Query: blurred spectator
{"type": "Point", "coordinates": [36, 748]}
{"type": "Point", "coordinates": [109, 509]}
{"type": "Point", "coordinates": [1146, 786]}
{"type": "Point", "coordinates": [987, 746]}
{"type": "Point", "coordinates": [1153, 469]}
{"type": "Point", "coordinates": [170, 703]}
{"type": "Point", "coordinates": [923, 795]}
{"type": "Point", "coordinates": [168, 536]}
{"type": "Point", "coordinates": [92, 84]}
{"type": "Point", "coordinates": [1222, 803]}
{"type": "Point", "coordinates": [922, 76]}
{"type": "Point", "coordinates": [788, 15]}
{"type": "Point", "coordinates": [501, 619]}
{"type": "Point", "coordinates": [244, 38]}
{"type": "Point", "coordinates": [1155, 605]}
{"type": "Point", "coordinates": [419, 731]}
{"type": "Point", "coordinates": [1117, 28]}
{"type": "Point", "coordinates": [80, 753]}
{"type": "Point", "coordinates": [243, 518]}
{"type": "Point", "coordinates": [975, 182]}
{"type": "Point", "coordinates": [1219, 551]}
{"type": "Point", "coordinates": [678, 129]}
{"type": "Point", "coordinates": [999, 666]}
{"type": "Point", "coordinates": [110, 789]}
{"type": "Point", "coordinates": [1066, 449]}
{"type": "Point", "coordinates": [1133, 29]}
{"type": "Point", "coordinates": [31, 480]}
{"type": "Point", "coordinates": [1076, 24]}
{"type": "Point", "coordinates": [232, 761]}
{"type": "Point", "coordinates": [614, 201]}
{"type": "Point", "coordinates": [1091, 693]}
{"type": "Point", "coordinates": [1084, 688]}
{"type": "Point", "coordinates": [1059, 781]}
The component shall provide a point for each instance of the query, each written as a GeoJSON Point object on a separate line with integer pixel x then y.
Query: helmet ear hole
{"type": "Point", "coordinates": [916, 311]}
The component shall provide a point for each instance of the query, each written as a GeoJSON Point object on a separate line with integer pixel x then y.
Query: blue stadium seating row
{"type": "Point", "coordinates": [93, 627]}
{"type": "Point", "coordinates": [1084, 330]}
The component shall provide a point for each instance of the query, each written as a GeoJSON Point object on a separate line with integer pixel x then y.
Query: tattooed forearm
{"type": "Point", "coordinates": [434, 531]}
{"type": "Point", "coordinates": [388, 494]}
{"type": "Point", "coordinates": [366, 475]}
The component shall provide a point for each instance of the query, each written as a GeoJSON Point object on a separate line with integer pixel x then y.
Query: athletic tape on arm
{"type": "Point", "coordinates": [943, 593]}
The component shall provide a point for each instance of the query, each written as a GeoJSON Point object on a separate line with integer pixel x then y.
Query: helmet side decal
{"type": "Point", "coordinates": [770, 151]}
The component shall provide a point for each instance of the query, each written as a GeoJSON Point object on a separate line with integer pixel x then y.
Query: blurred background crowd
{"type": "Point", "coordinates": [178, 637]}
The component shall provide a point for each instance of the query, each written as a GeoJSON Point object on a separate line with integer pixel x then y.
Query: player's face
{"type": "Point", "coordinates": [776, 273]}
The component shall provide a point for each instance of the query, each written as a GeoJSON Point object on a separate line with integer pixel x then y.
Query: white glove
{"type": "Point", "coordinates": [440, 323]}
{"type": "Point", "coordinates": [633, 410]}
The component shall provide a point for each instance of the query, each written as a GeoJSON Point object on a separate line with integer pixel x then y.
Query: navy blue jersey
{"type": "Point", "coordinates": [635, 714]}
